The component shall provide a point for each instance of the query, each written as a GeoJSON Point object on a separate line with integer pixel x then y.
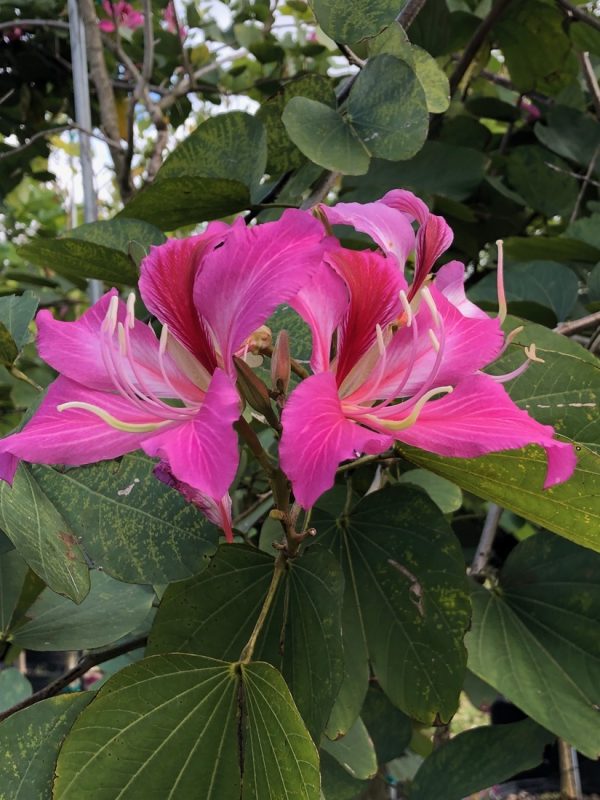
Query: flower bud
{"type": "Point", "coordinates": [254, 391]}
{"type": "Point", "coordinates": [281, 368]}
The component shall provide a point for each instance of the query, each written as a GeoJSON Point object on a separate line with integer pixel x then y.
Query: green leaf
{"type": "Point", "coordinates": [214, 613]}
{"type": "Point", "coordinates": [389, 729]}
{"type": "Point", "coordinates": [324, 136]}
{"type": "Point", "coordinates": [16, 312]}
{"type": "Point", "coordinates": [406, 571]}
{"type": "Point", "coordinates": [283, 155]}
{"type": "Point", "coordinates": [445, 495]}
{"type": "Point", "coordinates": [479, 758]}
{"type": "Point", "coordinates": [584, 37]}
{"type": "Point", "coordinates": [210, 175]}
{"type": "Point", "coordinates": [131, 524]}
{"type": "Point", "coordinates": [110, 610]}
{"type": "Point", "coordinates": [388, 110]}
{"type": "Point", "coordinates": [8, 348]}
{"type": "Point", "coordinates": [433, 80]}
{"type": "Point", "coordinates": [556, 248]}
{"type": "Point", "coordinates": [541, 628]}
{"type": "Point", "coordinates": [564, 392]}
{"type": "Point", "coordinates": [547, 283]}
{"type": "Point", "coordinates": [14, 687]}
{"type": "Point", "coordinates": [31, 739]}
{"type": "Point", "coordinates": [98, 250]}
{"type": "Point", "coordinates": [13, 571]}
{"type": "Point", "coordinates": [42, 536]}
{"type": "Point", "coordinates": [354, 751]}
{"type": "Point", "coordinates": [536, 48]}
{"type": "Point", "coordinates": [350, 23]}
{"type": "Point", "coordinates": [336, 782]}
{"type": "Point", "coordinates": [188, 723]}
{"type": "Point", "coordinates": [544, 189]}
{"type": "Point", "coordinates": [285, 318]}
{"type": "Point", "coordinates": [570, 133]}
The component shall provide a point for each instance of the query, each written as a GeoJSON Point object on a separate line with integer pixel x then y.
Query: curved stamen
{"type": "Point", "coordinates": [406, 422]}
{"type": "Point", "coordinates": [120, 425]}
{"type": "Point", "coordinates": [532, 356]}
{"type": "Point", "coordinates": [509, 339]}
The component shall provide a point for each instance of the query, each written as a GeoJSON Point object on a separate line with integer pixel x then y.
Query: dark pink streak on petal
{"type": "Point", "coordinates": [317, 437]}
{"type": "Point", "coordinates": [374, 284]}
{"type": "Point", "coordinates": [203, 451]}
{"type": "Point", "coordinates": [478, 418]}
{"type": "Point", "coordinates": [167, 284]}
{"type": "Point", "coordinates": [433, 239]}
{"type": "Point", "coordinates": [256, 269]}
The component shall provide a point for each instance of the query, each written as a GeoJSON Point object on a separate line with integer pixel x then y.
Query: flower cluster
{"type": "Point", "coordinates": [390, 360]}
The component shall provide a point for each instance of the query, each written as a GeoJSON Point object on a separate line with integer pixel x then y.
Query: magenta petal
{"type": "Point", "coordinates": [74, 436]}
{"type": "Point", "coordinates": [322, 304]}
{"type": "Point", "coordinates": [167, 282]}
{"type": "Point", "coordinates": [256, 269]}
{"type": "Point", "coordinates": [317, 437]}
{"type": "Point", "coordinates": [388, 228]}
{"type": "Point", "coordinates": [478, 418]}
{"type": "Point", "coordinates": [433, 239]}
{"type": "Point", "coordinates": [408, 203]}
{"type": "Point", "coordinates": [203, 451]}
{"type": "Point", "coordinates": [450, 281]}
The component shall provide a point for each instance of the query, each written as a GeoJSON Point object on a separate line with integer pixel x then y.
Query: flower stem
{"type": "Point", "coordinates": [248, 651]}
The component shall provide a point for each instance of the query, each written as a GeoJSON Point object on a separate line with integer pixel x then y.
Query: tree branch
{"type": "Point", "coordinates": [477, 40]}
{"type": "Point", "coordinates": [591, 80]}
{"type": "Point", "coordinates": [85, 664]}
{"type": "Point", "coordinates": [486, 542]}
{"type": "Point", "coordinates": [72, 126]}
{"type": "Point", "coordinates": [568, 328]}
{"type": "Point", "coordinates": [34, 23]}
{"type": "Point", "coordinates": [409, 13]}
{"type": "Point", "coordinates": [580, 14]}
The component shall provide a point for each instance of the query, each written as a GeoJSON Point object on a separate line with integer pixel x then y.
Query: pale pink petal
{"type": "Point", "coordinates": [322, 305]}
{"type": "Point", "coordinates": [450, 281]}
{"type": "Point", "coordinates": [317, 437]}
{"type": "Point", "coordinates": [203, 451]}
{"type": "Point", "coordinates": [256, 269]}
{"type": "Point", "coordinates": [374, 284]}
{"type": "Point", "coordinates": [167, 286]}
{"type": "Point", "coordinates": [388, 228]}
{"type": "Point", "coordinates": [408, 203]}
{"type": "Point", "coordinates": [478, 418]}
{"type": "Point", "coordinates": [75, 350]}
{"type": "Point", "coordinates": [75, 436]}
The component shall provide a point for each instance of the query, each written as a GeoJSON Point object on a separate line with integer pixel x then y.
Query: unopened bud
{"type": "Point", "coordinates": [254, 391]}
{"type": "Point", "coordinates": [281, 365]}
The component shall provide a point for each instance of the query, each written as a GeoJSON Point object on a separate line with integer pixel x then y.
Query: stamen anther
{"type": "Point", "coordinates": [407, 308]}
{"type": "Point", "coordinates": [131, 310]}
{"type": "Point", "coordinates": [531, 354]}
{"type": "Point", "coordinates": [380, 342]}
{"type": "Point", "coordinates": [110, 320]}
{"type": "Point", "coordinates": [164, 335]}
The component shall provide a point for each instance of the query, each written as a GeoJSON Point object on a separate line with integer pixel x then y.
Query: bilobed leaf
{"type": "Point", "coordinates": [214, 613]}
{"type": "Point", "coordinates": [541, 628]}
{"type": "Point", "coordinates": [388, 110]}
{"type": "Point", "coordinates": [345, 22]}
{"type": "Point", "coordinates": [31, 739]}
{"type": "Point", "coordinates": [131, 524]}
{"type": "Point", "coordinates": [355, 751]}
{"type": "Point", "coordinates": [563, 392]}
{"type": "Point", "coordinates": [188, 723]}
{"type": "Point", "coordinates": [407, 576]}
{"type": "Point", "coordinates": [111, 610]}
{"type": "Point", "coordinates": [479, 758]}
{"type": "Point", "coordinates": [14, 687]}
{"type": "Point", "coordinates": [324, 136]}
{"type": "Point", "coordinates": [42, 536]}
{"type": "Point", "coordinates": [16, 312]}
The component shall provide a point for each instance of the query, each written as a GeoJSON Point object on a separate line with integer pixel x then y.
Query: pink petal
{"type": "Point", "coordinates": [317, 437]}
{"type": "Point", "coordinates": [106, 26]}
{"type": "Point", "coordinates": [167, 286]}
{"type": "Point", "coordinates": [322, 304]}
{"type": "Point", "coordinates": [433, 239]}
{"type": "Point", "coordinates": [450, 281]}
{"type": "Point", "coordinates": [203, 451]}
{"type": "Point", "coordinates": [74, 436]}
{"type": "Point", "coordinates": [387, 227]}
{"type": "Point", "coordinates": [257, 269]}
{"type": "Point", "coordinates": [374, 284]}
{"type": "Point", "coordinates": [74, 349]}
{"type": "Point", "coordinates": [408, 203]}
{"type": "Point", "coordinates": [478, 418]}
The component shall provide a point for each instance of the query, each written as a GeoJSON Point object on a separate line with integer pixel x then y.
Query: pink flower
{"type": "Point", "coordinates": [170, 20]}
{"type": "Point", "coordinates": [121, 388]}
{"type": "Point", "coordinates": [125, 15]}
{"type": "Point", "coordinates": [407, 359]}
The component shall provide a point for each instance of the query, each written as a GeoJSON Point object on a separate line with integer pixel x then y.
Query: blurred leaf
{"type": "Point", "coordinates": [388, 110]}
{"type": "Point", "coordinates": [541, 628]}
{"type": "Point", "coordinates": [355, 751]}
{"type": "Point", "coordinates": [16, 312]}
{"type": "Point", "coordinates": [233, 714]}
{"type": "Point", "coordinates": [529, 170]}
{"type": "Point", "coordinates": [556, 248]}
{"type": "Point", "coordinates": [344, 23]}
{"type": "Point", "coordinates": [14, 687]}
{"type": "Point", "coordinates": [336, 782]}
{"type": "Point", "coordinates": [445, 495]}
{"type": "Point", "coordinates": [324, 136]}
{"type": "Point", "coordinates": [389, 729]}
{"type": "Point", "coordinates": [584, 37]}
{"type": "Point", "coordinates": [131, 524]}
{"type": "Point", "coordinates": [8, 348]}
{"type": "Point", "coordinates": [285, 318]}
{"type": "Point", "coordinates": [13, 571]}
{"type": "Point", "coordinates": [110, 610]}
{"type": "Point", "coordinates": [570, 133]}
{"type": "Point", "coordinates": [42, 536]}
{"type": "Point", "coordinates": [479, 758]}
{"type": "Point", "coordinates": [31, 739]}
{"type": "Point", "coordinates": [433, 80]}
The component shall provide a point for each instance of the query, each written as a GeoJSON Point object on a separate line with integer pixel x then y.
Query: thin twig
{"type": "Point", "coordinates": [570, 779]}
{"type": "Point", "coordinates": [84, 665]}
{"type": "Point", "coordinates": [486, 542]}
{"type": "Point", "coordinates": [477, 40]}
{"type": "Point", "coordinates": [591, 80]}
{"type": "Point", "coordinates": [580, 14]}
{"type": "Point", "coordinates": [278, 570]}
{"type": "Point", "coordinates": [577, 175]}
{"type": "Point", "coordinates": [148, 63]}
{"type": "Point", "coordinates": [351, 55]}
{"type": "Point", "coordinates": [34, 23]}
{"type": "Point", "coordinates": [409, 13]}
{"type": "Point", "coordinates": [567, 328]}
{"type": "Point", "coordinates": [585, 183]}
{"type": "Point", "coordinates": [321, 189]}
{"type": "Point", "coordinates": [51, 131]}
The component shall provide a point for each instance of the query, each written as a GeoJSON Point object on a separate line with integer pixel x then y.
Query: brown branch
{"type": "Point", "coordinates": [486, 542]}
{"type": "Point", "coordinates": [477, 40]}
{"type": "Point", "coordinates": [591, 80]}
{"type": "Point", "coordinates": [148, 63]}
{"type": "Point", "coordinates": [580, 14]}
{"type": "Point", "coordinates": [585, 183]}
{"type": "Point", "coordinates": [51, 131]}
{"type": "Point", "coordinates": [321, 189]}
{"type": "Point", "coordinates": [34, 23]}
{"type": "Point", "coordinates": [409, 13]}
{"type": "Point", "coordinates": [568, 328]}
{"type": "Point", "coordinates": [84, 665]}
